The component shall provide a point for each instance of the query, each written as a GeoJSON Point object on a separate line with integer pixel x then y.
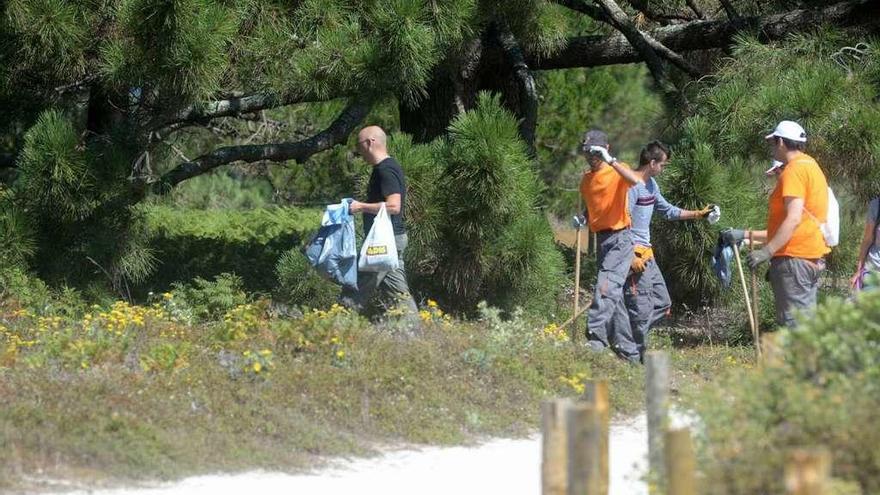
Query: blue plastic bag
{"type": "Point", "coordinates": [333, 250]}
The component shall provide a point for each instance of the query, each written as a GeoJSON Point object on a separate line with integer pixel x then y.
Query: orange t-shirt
{"type": "Point", "coordinates": [605, 194]}
{"type": "Point", "coordinates": [801, 178]}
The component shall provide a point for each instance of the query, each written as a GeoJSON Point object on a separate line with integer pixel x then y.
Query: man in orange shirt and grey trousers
{"type": "Point", "coordinates": [605, 189]}
{"type": "Point", "coordinates": [793, 241]}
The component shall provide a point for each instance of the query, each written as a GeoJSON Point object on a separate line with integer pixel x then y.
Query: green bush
{"type": "Point", "coordinates": [479, 235]}
{"type": "Point", "coordinates": [193, 243]}
{"type": "Point", "coordinates": [825, 392]}
{"type": "Point", "coordinates": [208, 300]}
{"type": "Point", "coordinates": [300, 284]}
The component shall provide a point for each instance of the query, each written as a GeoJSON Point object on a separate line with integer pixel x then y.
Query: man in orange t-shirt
{"type": "Point", "coordinates": [793, 241]}
{"type": "Point", "coordinates": [604, 189]}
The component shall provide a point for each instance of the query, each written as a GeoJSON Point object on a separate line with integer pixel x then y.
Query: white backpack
{"type": "Point", "coordinates": [831, 228]}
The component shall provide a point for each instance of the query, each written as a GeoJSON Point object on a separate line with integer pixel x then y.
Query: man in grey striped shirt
{"type": "Point", "coordinates": [645, 294]}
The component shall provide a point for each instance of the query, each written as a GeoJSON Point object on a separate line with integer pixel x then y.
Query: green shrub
{"type": "Point", "coordinates": [210, 299]}
{"type": "Point", "coordinates": [300, 284]}
{"type": "Point", "coordinates": [205, 243]}
{"type": "Point", "coordinates": [824, 393]}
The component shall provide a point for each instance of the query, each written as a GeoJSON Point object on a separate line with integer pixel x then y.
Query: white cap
{"type": "Point", "coordinates": [773, 167]}
{"type": "Point", "coordinates": [788, 129]}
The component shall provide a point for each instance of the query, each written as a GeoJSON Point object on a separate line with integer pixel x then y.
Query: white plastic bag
{"type": "Point", "coordinates": [831, 228]}
{"type": "Point", "coordinates": [379, 252]}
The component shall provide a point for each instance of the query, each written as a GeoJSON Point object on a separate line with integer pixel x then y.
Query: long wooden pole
{"type": "Point", "coordinates": [755, 310]}
{"type": "Point", "coordinates": [577, 279]}
{"type": "Point", "coordinates": [742, 278]}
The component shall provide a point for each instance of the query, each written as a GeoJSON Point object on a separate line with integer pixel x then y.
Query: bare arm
{"type": "Point", "coordinates": [627, 173]}
{"type": "Point", "coordinates": [392, 206]}
{"type": "Point", "coordinates": [794, 210]}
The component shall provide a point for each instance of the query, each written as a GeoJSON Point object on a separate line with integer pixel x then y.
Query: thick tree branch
{"type": "Point", "coordinates": [622, 23]}
{"type": "Point", "coordinates": [528, 94]}
{"type": "Point", "coordinates": [299, 151]}
{"type": "Point", "coordinates": [584, 8]}
{"type": "Point", "coordinates": [594, 51]}
{"type": "Point", "coordinates": [203, 112]}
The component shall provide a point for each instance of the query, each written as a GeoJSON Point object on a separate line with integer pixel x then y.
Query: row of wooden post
{"type": "Point", "coordinates": [576, 445]}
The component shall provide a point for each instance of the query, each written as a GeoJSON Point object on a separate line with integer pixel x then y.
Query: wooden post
{"type": "Point", "coordinates": [554, 459]}
{"type": "Point", "coordinates": [681, 463]}
{"type": "Point", "coordinates": [771, 354]}
{"type": "Point", "coordinates": [582, 423]}
{"type": "Point", "coordinates": [807, 472]}
{"type": "Point", "coordinates": [596, 395]}
{"type": "Point", "coordinates": [657, 404]}
{"type": "Point", "coordinates": [577, 280]}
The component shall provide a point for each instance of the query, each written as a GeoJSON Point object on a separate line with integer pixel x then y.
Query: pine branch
{"type": "Point", "coordinates": [299, 151]}
{"type": "Point", "coordinates": [595, 51]}
{"type": "Point", "coordinates": [729, 10]}
{"type": "Point", "coordinates": [621, 22]}
{"type": "Point", "coordinates": [232, 107]}
{"type": "Point", "coordinates": [584, 8]}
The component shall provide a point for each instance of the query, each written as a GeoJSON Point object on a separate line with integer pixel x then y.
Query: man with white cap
{"type": "Point", "coordinates": [793, 242]}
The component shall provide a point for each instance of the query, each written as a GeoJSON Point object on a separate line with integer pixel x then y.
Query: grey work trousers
{"type": "Point", "coordinates": [390, 287]}
{"type": "Point", "coordinates": [647, 301]}
{"type": "Point", "coordinates": [795, 283]}
{"type": "Point", "coordinates": [607, 320]}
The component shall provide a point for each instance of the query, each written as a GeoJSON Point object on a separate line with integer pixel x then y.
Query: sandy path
{"type": "Point", "coordinates": [509, 466]}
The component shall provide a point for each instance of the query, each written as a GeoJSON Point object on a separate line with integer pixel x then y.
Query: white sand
{"type": "Point", "coordinates": [498, 466]}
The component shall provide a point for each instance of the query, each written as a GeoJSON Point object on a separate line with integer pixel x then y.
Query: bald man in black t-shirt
{"type": "Point", "coordinates": [387, 185]}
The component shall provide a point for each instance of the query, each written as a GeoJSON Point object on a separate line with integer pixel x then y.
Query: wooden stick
{"type": "Point", "coordinates": [596, 394]}
{"type": "Point", "coordinates": [573, 318]}
{"type": "Point", "coordinates": [582, 423]}
{"type": "Point", "coordinates": [742, 278]}
{"type": "Point", "coordinates": [657, 405]}
{"type": "Point", "coordinates": [755, 309]}
{"type": "Point", "coordinates": [807, 472]}
{"type": "Point", "coordinates": [577, 278]}
{"type": "Point", "coordinates": [681, 464]}
{"type": "Point", "coordinates": [554, 458]}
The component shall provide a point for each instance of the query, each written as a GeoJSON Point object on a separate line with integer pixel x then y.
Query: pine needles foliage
{"type": "Point", "coordinates": [721, 152]}
{"type": "Point", "coordinates": [479, 234]}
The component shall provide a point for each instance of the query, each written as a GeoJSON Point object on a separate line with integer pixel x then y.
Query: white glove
{"type": "Point", "coordinates": [578, 221]}
{"type": "Point", "coordinates": [606, 156]}
{"type": "Point", "coordinates": [714, 215]}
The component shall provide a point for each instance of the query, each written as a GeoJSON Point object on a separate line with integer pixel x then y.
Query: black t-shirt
{"type": "Point", "coordinates": [387, 179]}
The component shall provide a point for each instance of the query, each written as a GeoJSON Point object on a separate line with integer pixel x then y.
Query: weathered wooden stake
{"type": "Point", "coordinates": [596, 394]}
{"type": "Point", "coordinates": [554, 462]}
{"type": "Point", "coordinates": [583, 427]}
{"type": "Point", "coordinates": [807, 472]}
{"type": "Point", "coordinates": [657, 404]}
{"type": "Point", "coordinates": [681, 464]}
{"type": "Point", "coordinates": [771, 354]}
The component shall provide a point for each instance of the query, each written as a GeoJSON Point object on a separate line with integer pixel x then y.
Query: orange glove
{"type": "Point", "coordinates": [642, 255]}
